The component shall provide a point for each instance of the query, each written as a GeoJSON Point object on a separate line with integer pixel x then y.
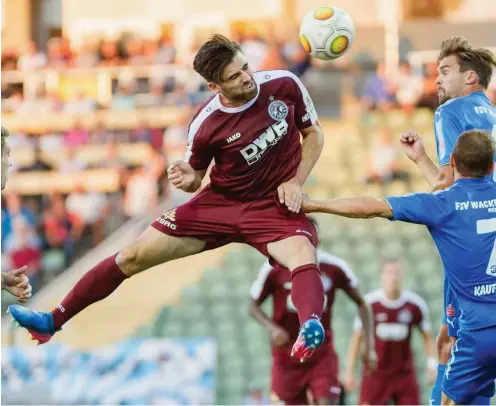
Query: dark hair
{"type": "Point", "coordinates": [213, 56]}
{"type": "Point", "coordinates": [480, 60]}
{"type": "Point", "coordinates": [474, 153]}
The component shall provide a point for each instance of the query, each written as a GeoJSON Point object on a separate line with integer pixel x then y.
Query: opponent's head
{"type": "Point", "coordinates": [222, 64]}
{"type": "Point", "coordinates": [473, 155]}
{"type": "Point", "coordinates": [5, 157]}
{"type": "Point", "coordinates": [391, 275]}
{"type": "Point", "coordinates": [462, 69]}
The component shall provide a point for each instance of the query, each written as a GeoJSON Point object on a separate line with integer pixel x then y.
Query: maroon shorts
{"type": "Point", "coordinates": [380, 389]}
{"type": "Point", "coordinates": [218, 220]}
{"type": "Point", "coordinates": [291, 381]}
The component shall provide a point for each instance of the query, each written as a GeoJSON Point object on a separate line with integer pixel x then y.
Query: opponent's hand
{"type": "Point", "coordinates": [279, 337]}
{"type": "Point", "coordinates": [17, 283]}
{"type": "Point", "coordinates": [412, 145]}
{"type": "Point", "coordinates": [181, 174]}
{"type": "Point", "coordinates": [291, 195]}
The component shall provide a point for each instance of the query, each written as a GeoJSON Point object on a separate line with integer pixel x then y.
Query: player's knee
{"type": "Point", "coordinates": [129, 261]}
{"type": "Point", "coordinates": [294, 252]}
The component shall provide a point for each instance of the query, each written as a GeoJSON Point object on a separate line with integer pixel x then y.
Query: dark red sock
{"type": "Point", "coordinates": [95, 285]}
{"type": "Point", "coordinates": [307, 292]}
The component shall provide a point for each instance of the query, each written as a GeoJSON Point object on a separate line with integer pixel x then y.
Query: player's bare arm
{"type": "Point", "coordinates": [182, 175]}
{"type": "Point", "coordinates": [355, 207]}
{"type": "Point", "coordinates": [278, 336]}
{"type": "Point", "coordinates": [290, 192]}
{"type": "Point", "coordinates": [353, 349]}
{"type": "Point", "coordinates": [365, 315]}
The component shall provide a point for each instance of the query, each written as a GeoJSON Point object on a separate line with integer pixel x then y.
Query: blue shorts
{"type": "Point", "coordinates": [451, 313]}
{"type": "Point", "coordinates": [471, 370]}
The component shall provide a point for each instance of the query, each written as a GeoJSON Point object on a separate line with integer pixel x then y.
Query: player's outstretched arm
{"type": "Point", "coordinates": [354, 207]}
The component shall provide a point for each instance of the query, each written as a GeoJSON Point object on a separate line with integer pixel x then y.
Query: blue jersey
{"type": "Point", "coordinates": [471, 112]}
{"type": "Point", "coordinates": [462, 223]}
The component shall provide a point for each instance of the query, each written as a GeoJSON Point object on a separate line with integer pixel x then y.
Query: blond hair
{"type": "Point", "coordinates": [480, 60]}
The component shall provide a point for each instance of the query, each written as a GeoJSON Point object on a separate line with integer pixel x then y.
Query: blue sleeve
{"type": "Point", "coordinates": [447, 129]}
{"type": "Point", "coordinates": [418, 208]}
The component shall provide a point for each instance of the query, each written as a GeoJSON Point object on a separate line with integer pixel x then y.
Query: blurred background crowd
{"type": "Point", "coordinates": [97, 96]}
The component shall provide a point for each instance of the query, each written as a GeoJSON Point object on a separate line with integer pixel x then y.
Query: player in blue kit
{"type": "Point", "coordinates": [462, 222]}
{"type": "Point", "coordinates": [464, 74]}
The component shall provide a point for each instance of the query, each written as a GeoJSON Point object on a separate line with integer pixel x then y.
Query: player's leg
{"type": "Point", "coordinates": [407, 390]}
{"type": "Point", "coordinates": [288, 384]}
{"type": "Point", "coordinates": [324, 384]}
{"type": "Point", "coordinates": [152, 248]}
{"type": "Point", "coordinates": [443, 346]}
{"type": "Point", "coordinates": [201, 223]}
{"type": "Point", "coordinates": [471, 369]}
{"type": "Point", "coordinates": [375, 390]}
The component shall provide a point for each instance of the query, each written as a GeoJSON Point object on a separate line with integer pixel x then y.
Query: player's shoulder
{"type": "Point", "coordinates": [374, 296]}
{"type": "Point", "coordinates": [325, 258]}
{"type": "Point", "coordinates": [268, 76]}
{"type": "Point", "coordinates": [414, 299]}
{"type": "Point", "coordinates": [204, 113]}
{"type": "Point", "coordinates": [453, 106]}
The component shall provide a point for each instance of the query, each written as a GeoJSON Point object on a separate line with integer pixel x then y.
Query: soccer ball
{"type": "Point", "coordinates": [327, 32]}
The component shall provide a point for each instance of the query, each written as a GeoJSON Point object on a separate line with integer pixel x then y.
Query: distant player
{"type": "Point", "coordinates": [396, 313]}
{"type": "Point", "coordinates": [251, 129]}
{"type": "Point", "coordinates": [15, 282]}
{"type": "Point", "coordinates": [462, 222]}
{"type": "Point", "coordinates": [292, 380]}
{"type": "Point", "coordinates": [464, 75]}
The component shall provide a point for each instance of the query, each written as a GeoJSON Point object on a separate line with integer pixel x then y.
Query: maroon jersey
{"type": "Point", "coordinates": [394, 321]}
{"type": "Point", "coordinates": [276, 282]}
{"type": "Point", "coordinates": [256, 147]}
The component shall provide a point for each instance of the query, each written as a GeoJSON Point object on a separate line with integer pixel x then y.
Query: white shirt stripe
{"type": "Point", "coordinates": [196, 124]}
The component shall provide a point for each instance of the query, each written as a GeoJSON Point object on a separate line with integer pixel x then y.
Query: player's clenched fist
{"type": "Point", "coordinates": [181, 175]}
{"type": "Point", "coordinates": [412, 145]}
{"type": "Point", "coordinates": [279, 337]}
{"type": "Point", "coordinates": [291, 195]}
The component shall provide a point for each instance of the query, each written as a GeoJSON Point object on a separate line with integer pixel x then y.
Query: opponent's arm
{"type": "Point", "coordinates": [356, 207]}
{"type": "Point", "coordinates": [430, 354]}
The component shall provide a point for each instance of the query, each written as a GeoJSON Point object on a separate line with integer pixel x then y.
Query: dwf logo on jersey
{"type": "Point", "coordinates": [271, 136]}
{"type": "Point", "coordinates": [278, 110]}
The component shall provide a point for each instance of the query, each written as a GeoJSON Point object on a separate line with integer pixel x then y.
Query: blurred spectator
{"type": "Point", "coordinates": [176, 136]}
{"type": "Point", "coordinates": [50, 141]}
{"type": "Point", "coordinates": [378, 91]}
{"type": "Point", "coordinates": [63, 229]}
{"type": "Point", "coordinates": [255, 50]}
{"type": "Point", "coordinates": [167, 51]}
{"type": "Point", "coordinates": [23, 247]}
{"type": "Point", "coordinates": [39, 163]}
{"type": "Point", "coordinates": [87, 56]}
{"type": "Point", "coordinates": [155, 97]}
{"type": "Point", "coordinates": [76, 136]}
{"type": "Point", "coordinates": [91, 208]}
{"type": "Point", "coordinates": [71, 163]}
{"type": "Point", "coordinates": [109, 54]}
{"type": "Point", "coordinates": [141, 193]}
{"type": "Point", "coordinates": [142, 133]}
{"type": "Point", "coordinates": [56, 53]}
{"type": "Point", "coordinates": [409, 88]}
{"type": "Point", "coordinates": [12, 209]}
{"type": "Point", "coordinates": [80, 105]}
{"type": "Point", "coordinates": [124, 99]}
{"type": "Point", "coordinates": [384, 166]}
{"type": "Point", "coordinates": [429, 97]}
{"type": "Point", "coordinates": [134, 52]}
{"type": "Point", "coordinates": [32, 58]}
{"type": "Point", "coordinates": [297, 59]}
{"type": "Point", "coordinates": [9, 59]}
{"type": "Point", "coordinates": [101, 135]}
{"type": "Point", "coordinates": [40, 105]}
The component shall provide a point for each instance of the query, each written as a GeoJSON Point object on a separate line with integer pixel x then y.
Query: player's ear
{"type": "Point", "coordinates": [471, 77]}
{"type": "Point", "coordinates": [452, 162]}
{"type": "Point", "coordinates": [491, 169]}
{"type": "Point", "coordinates": [214, 87]}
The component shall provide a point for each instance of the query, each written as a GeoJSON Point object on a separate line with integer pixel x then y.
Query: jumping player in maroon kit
{"type": "Point", "coordinates": [251, 129]}
{"type": "Point", "coordinates": [396, 312]}
{"type": "Point", "coordinates": [290, 378]}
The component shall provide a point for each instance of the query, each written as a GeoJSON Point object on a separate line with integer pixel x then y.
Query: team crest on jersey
{"type": "Point", "coordinates": [278, 110]}
{"type": "Point", "coordinates": [327, 282]}
{"type": "Point", "coordinates": [381, 317]}
{"type": "Point", "coordinates": [450, 310]}
{"type": "Point", "coordinates": [405, 316]}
